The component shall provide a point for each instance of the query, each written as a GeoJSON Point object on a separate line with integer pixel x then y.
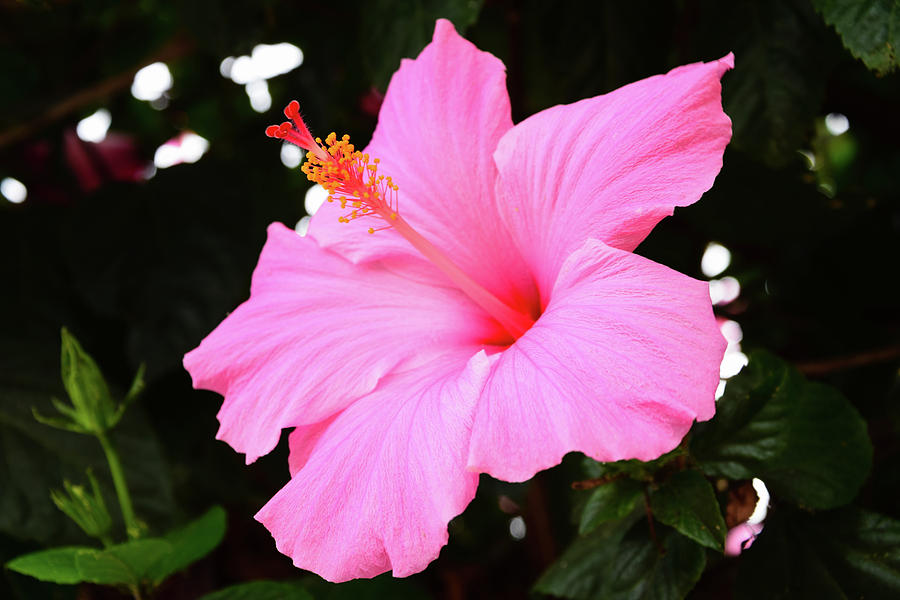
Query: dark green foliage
{"type": "Point", "coordinates": [383, 586]}
{"type": "Point", "coordinates": [870, 29]}
{"type": "Point", "coordinates": [687, 503]}
{"type": "Point", "coordinates": [776, 91]}
{"type": "Point", "coordinates": [262, 590]}
{"type": "Point", "coordinates": [620, 561]}
{"type": "Point", "coordinates": [608, 502]}
{"type": "Point", "coordinates": [317, 589]}
{"type": "Point", "coordinates": [805, 440]}
{"type": "Point", "coordinates": [842, 554]}
{"type": "Point", "coordinates": [402, 29]}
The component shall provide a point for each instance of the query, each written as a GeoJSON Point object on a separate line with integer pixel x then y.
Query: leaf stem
{"type": "Point", "coordinates": [659, 546]}
{"type": "Point", "coordinates": [588, 484]}
{"type": "Point", "coordinates": [118, 477]}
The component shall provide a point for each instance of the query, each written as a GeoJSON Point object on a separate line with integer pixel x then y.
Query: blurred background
{"type": "Point", "coordinates": [136, 184]}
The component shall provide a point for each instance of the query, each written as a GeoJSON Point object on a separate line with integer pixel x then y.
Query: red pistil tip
{"type": "Point", "coordinates": [295, 131]}
{"type": "Point", "coordinates": [348, 175]}
{"type": "Point", "coordinates": [292, 110]}
{"type": "Point", "coordinates": [352, 180]}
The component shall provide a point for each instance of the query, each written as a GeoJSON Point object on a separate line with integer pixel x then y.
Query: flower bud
{"type": "Point", "coordinates": [87, 509]}
{"type": "Point", "coordinates": [93, 409]}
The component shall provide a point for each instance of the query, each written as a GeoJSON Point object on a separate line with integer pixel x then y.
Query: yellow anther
{"type": "Point", "coordinates": [349, 178]}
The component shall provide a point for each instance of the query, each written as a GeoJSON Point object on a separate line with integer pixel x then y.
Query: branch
{"type": "Point", "coordinates": [816, 368]}
{"type": "Point", "coordinates": [174, 48]}
{"type": "Point", "coordinates": [588, 484]}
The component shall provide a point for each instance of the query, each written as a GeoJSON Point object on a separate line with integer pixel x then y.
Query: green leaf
{"type": "Point", "coordinates": [261, 590]}
{"type": "Point", "coordinates": [618, 561]}
{"type": "Point", "coordinates": [401, 28]}
{"type": "Point", "coordinates": [579, 572]}
{"type": "Point", "coordinates": [131, 563]}
{"type": "Point", "coordinates": [608, 502]}
{"type": "Point", "coordinates": [843, 554]}
{"type": "Point", "coordinates": [126, 564]}
{"type": "Point", "coordinates": [688, 503]}
{"type": "Point", "coordinates": [56, 565]}
{"type": "Point", "coordinates": [632, 468]}
{"type": "Point", "coordinates": [137, 386]}
{"type": "Point", "coordinates": [190, 543]}
{"type": "Point", "coordinates": [804, 439]}
{"type": "Point", "coordinates": [870, 29]}
{"type": "Point", "coordinates": [776, 91]}
{"type": "Point", "coordinates": [58, 423]}
{"type": "Point", "coordinates": [63, 408]}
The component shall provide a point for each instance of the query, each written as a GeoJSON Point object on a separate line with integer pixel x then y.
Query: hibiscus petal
{"type": "Point", "coordinates": [385, 477]}
{"type": "Point", "coordinates": [612, 166]}
{"type": "Point", "coordinates": [622, 361]}
{"type": "Point", "coordinates": [303, 439]}
{"type": "Point", "coordinates": [442, 117]}
{"type": "Point", "coordinates": [317, 333]}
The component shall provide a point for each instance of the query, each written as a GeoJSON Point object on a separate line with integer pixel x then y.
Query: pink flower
{"type": "Point", "coordinates": [741, 537]}
{"type": "Point", "coordinates": [496, 321]}
{"type": "Point", "coordinates": [116, 158]}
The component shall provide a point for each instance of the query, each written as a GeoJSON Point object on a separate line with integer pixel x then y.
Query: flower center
{"type": "Point", "coordinates": [351, 178]}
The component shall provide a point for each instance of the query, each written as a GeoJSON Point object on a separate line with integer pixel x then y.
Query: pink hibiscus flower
{"type": "Point", "coordinates": [496, 321]}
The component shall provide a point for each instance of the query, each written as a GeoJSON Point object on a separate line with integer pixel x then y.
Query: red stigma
{"type": "Point", "coordinates": [292, 110]}
{"type": "Point", "coordinates": [294, 131]}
